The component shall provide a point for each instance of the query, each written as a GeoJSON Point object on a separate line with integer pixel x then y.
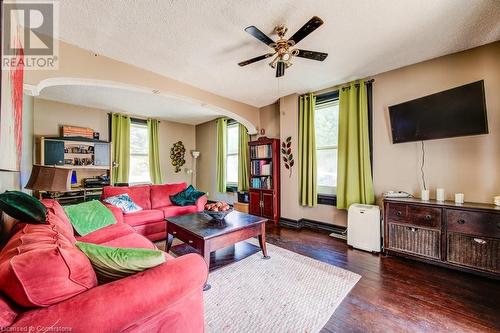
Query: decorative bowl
{"type": "Point", "coordinates": [220, 215]}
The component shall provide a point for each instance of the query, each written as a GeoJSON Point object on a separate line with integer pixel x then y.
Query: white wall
{"type": "Point", "coordinates": [466, 164]}
{"type": "Point", "coordinates": [206, 143]}
{"type": "Point", "coordinates": [17, 180]}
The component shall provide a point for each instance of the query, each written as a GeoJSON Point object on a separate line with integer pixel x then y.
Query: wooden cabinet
{"type": "Point", "coordinates": [75, 153]}
{"type": "Point", "coordinates": [264, 193]}
{"type": "Point", "coordinates": [53, 152]}
{"type": "Point", "coordinates": [465, 237]}
{"type": "Point", "coordinates": [262, 203]}
{"type": "Point", "coordinates": [87, 157]}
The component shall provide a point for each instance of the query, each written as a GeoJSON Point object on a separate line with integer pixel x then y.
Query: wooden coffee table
{"type": "Point", "coordinates": [200, 232]}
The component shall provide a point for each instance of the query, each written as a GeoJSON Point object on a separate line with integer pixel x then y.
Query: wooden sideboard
{"type": "Point", "coordinates": [461, 236]}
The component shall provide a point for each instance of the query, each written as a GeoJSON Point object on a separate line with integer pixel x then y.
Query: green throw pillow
{"type": "Point", "coordinates": [23, 207]}
{"type": "Point", "coordinates": [112, 263]}
{"type": "Point", "coordinates": [89, 216]}
{"type": "Point", "coordinates": [187, 197]}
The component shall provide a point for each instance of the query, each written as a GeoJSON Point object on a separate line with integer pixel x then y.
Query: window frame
{"type": "Point", "coordinates": [323, 100]}
{"type": "Point", "coordinates": [231, 186]}
{"type": "Point", "coordinates": [143, 123]}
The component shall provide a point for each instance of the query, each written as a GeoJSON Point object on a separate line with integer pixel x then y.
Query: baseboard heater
{"type": "Point", "coordinates": [339, 231]}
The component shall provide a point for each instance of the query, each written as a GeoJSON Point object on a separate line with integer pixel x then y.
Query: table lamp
{"type": "Point", "coordinates": [50, 179]}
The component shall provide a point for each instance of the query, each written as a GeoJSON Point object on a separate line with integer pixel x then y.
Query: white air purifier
{"type": "Point", "coordinates": [363, 227]}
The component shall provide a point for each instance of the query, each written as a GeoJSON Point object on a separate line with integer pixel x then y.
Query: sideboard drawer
{"type": "Point", "coordinates": [480, 253]}
{"type": "Point", "coordinates": [428, 217]}
{"type": "Point", "coordinates": [420, 241]}
{"type": "Point", "coordinates": [473, 223]}
{"type": "Point", "coordinates": [397, 211]}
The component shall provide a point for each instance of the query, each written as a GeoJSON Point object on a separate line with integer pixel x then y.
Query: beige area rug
{"type": "Point", "coordinates": [287, 293]}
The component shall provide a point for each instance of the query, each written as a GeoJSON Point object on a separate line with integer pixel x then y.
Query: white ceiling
{"type": "Point", "coordinates": [130, 101]}
{"type": "Point", "coordinates": [200, 42]}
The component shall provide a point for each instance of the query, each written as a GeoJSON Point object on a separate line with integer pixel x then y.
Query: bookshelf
{"type": "Point", "coordinates": [264, 193]}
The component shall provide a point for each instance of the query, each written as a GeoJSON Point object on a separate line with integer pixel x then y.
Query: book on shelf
{"type": "Point", "coordinates": [262, 183]}
{"type": "Point", "coordinates": [261, 167]}
{"type": "Point", "coordinates": [261, 151]}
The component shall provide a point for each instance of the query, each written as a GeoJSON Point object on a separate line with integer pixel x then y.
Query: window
{"type": "Point", "coordinates": [139, 154]}
{"type": "Point", "coordinates": [232, 155]}
{"type": "Point", "coordinates": [326, 120]}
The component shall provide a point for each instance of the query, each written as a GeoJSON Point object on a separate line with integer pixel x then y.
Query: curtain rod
{"type": "Point", "coordinates": [357, 84]}
{"type": "Point", "coordinates": [131, 117]}
{"type": "Point", "coordinates": [337, 87]}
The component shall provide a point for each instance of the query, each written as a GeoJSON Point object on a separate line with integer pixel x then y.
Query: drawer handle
{"type": "Point", "coordinates": [399, 213]}
{"type": "Point", "coordinates": [174, 233]}
{"type": "Point", "coordinates": [412, 229]}
{"type": "Point", "coordinates": [479, 241]}
{"type": "Point", "coordinates": [190, 241]}
{"type": "Point", "coordinates": [428, 217]}
{"type": "Point", "coordinates": [461, 221]}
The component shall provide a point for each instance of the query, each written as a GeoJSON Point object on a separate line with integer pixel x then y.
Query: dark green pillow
{"type": "Point", "coordinates": [23, 207]}
{"type": "Point", "coordinates": [113, 263]}
{"type": "Point", "coordinates": [87, 217]}
{"type": "Point", "coordinates": [186, 197]}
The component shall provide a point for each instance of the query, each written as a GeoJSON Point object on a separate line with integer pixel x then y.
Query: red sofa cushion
{"type": "Point", "coordinates": [140, 194]}
{"type": "Point", "coordinates": [143, 217]}
{"type": "Point", "coordinates": [160, 194]}
{"type": "Point", "coordinates": [39, 266]}
{"type": "Point", "coordinates": [170, 211]}
{"type": "Point", "coordinates": [7, 313]}
{"type": "Point", "coordinates": [58, 218]}
{"type": "Point", "coordinates": [107, 234]}
{"type": "Point", "coordinates": [131, 241]}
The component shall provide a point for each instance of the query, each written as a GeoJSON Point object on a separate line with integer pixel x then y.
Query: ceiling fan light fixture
{"type": "Point", "coordinates": [283, 47]}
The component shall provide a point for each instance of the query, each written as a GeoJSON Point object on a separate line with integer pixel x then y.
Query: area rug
{"type": "Point", "coordinates": [287, 293]}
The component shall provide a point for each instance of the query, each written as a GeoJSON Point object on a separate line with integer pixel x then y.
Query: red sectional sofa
{"type": "Point", "coordinates": [156, 205]}
{"type": "Point", "coordinates": [46, 283]}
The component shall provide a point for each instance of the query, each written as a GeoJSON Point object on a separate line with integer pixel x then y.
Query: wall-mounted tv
{"type": "Point", "coordinates": [459, 111]}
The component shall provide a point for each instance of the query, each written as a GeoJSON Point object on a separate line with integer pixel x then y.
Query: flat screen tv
{"type": "Point", "coordinates": [459, 111]}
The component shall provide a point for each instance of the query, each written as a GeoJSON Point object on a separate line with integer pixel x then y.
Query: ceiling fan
{"type": "Point", "coordinates": [284, 48]}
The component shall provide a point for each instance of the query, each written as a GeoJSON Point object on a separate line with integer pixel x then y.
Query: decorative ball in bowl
{"type": "Point", "coordinates": [218, 210]}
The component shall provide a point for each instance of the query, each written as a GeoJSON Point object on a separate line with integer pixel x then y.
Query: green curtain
{"type": "Point", "coordinates": [154, 151]}
{"type": "Point", "coordinates": [354, 178]}
{"type": "Point", "coordinates": [308, 191]}
{"type": "Point", "coordinates": [243, 158]}
{"type": "Point", "coordinates": [120, 140]}
{"type": "Point", "coordinates": [221, 154]}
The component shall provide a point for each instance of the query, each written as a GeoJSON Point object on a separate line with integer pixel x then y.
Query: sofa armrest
{"type": "Point", "coordinates": [201, 202]}
{"type": "Point", "coordinates": [117, 212]}
{"type": "Point", "coordinates": [115, 306]}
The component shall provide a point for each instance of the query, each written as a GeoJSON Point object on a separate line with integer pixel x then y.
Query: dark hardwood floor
{"type": "Point", "coordinates": [399, 295]}
{"type": "Point", "coordinates": [393, 294]}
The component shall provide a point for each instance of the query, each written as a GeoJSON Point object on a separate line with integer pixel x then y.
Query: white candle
{"type": "Point", "coordinates": [459, 198]}
{"type": "Point", "coordinates": [440, 194]}
{"type": "Point", "coordinates": [425, 195]}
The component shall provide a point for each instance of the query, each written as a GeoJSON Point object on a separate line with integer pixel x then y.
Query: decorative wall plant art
{"type": "Point", "coordinates": [286, 151]}
{"type": "Point", "coordinates": [177, 155]}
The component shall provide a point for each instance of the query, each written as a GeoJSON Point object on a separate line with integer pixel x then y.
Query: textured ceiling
{"type": "Point", "coordinates": [130, 102]}
{"type": "Point", "coordinates": [200, 42]}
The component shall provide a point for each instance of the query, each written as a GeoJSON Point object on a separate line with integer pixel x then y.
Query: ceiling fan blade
{"type": "Point", "coordinates": [252, 30]}
{"type": "Point", "coordinates": [250, 61]}
{"type": "Point", "coordinates": [320, 56]}
{"type": "Point", "coordinates": [313, 24]}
